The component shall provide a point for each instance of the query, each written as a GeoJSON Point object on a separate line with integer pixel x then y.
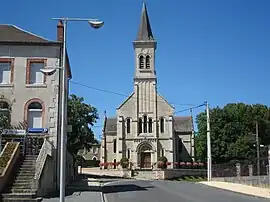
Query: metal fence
{"type": "Point", "coordinates": [244, 172]}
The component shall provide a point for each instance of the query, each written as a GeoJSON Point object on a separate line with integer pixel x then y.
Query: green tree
{"type": "Point", "coordinates": [81, 116]}
{"type": "Point", "coordinates": [232, 129]}
{"type": "Point", "coordinates": [4, 122]}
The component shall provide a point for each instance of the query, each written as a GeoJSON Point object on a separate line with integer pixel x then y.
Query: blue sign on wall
{"type": "Point", "coordinates": [37, 130]}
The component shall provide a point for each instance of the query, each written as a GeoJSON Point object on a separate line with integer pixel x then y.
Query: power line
{"type": "Point", "coordinates": [188, 109]}
{"type": "Point", "coordinates": [121, 94]}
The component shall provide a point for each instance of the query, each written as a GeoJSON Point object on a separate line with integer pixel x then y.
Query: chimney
{"type": "Point", "coordinates": [60, 31]}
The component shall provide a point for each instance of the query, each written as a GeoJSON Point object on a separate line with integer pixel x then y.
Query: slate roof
{"type": "Point", "coordinates": [182, 124]}
{"type": "Point", "coordinates": [145, 31]}
{"type": "Point", "coordinates": [111, 125]}
{"type": "Point", "coordinates": [12, 33]}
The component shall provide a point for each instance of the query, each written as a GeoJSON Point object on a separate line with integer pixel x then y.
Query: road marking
{"type": "Point", "coordinates": [103, 197]}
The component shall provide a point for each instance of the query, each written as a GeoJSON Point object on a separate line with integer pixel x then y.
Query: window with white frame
{"type": "Point", "coordinates": [5, 72]}
{"type": "Point", "coordinates": [34, 115]}
{"type": "Point", "coordinates": [36, 76]}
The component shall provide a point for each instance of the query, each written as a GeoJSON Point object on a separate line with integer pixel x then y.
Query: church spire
{"type": "Point", "coordinates": [145, 32]}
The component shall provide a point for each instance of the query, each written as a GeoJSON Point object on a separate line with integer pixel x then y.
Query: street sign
{"type": "Point", "coordinates": [13, 132]}
{"type": "Point", "coordinates": [37, 130]}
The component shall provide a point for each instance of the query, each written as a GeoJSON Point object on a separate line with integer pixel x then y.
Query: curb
{"type": "Point", "coordinates": [235, 191]}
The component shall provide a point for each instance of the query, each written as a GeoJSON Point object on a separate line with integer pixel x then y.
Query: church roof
{"type": "Point", "coordinates": [145, 31]}
{"type": "Point", "coordinates": [181, 124]}
{"type": "Point", "coordinates": [111, 125]}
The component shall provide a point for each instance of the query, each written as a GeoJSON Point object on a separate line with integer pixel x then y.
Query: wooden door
{"type": "Point", "coordinates": [146, 160]}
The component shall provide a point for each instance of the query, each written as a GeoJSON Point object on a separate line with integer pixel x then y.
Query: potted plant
{"type": "Point", "coordinates": [101, 165]}
{"type": "Point", "coordinates": [162, 162]}
{"type": "Point", "coordinates": [124, 162]}
{"type": "Point", "coordinates": [182, 164]}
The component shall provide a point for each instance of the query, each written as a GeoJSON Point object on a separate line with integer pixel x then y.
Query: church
{"type": "Point", "coordinates": [145, 127]}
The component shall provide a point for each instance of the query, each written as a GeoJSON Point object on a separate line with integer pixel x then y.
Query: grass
{"type": "Point", "coordinates": [190, 178]}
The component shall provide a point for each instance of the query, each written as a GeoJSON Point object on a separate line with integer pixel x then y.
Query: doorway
{"type": "Point", "coordinates": [145, 160]}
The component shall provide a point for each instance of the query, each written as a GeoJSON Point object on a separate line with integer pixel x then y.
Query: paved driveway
{"type": "Point", "coordinates": [169, 191]}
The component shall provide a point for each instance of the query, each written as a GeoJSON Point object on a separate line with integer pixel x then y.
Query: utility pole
{"type": "Point", "coordinates": [269, 164]}
{"type": "Point", "coordinates": [258, 149]}
{"type": "Point", "coordinates": [209, 155]}
{"type": "Point", "coordinates": [105, 139]}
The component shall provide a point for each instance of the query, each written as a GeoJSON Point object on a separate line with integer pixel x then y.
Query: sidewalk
{"type": "Point", "coordinates": [81, 191]}
{"type": "Point", "coordinates": [79, 197]}
{"type": "Point", "coordinates": [240, 188]}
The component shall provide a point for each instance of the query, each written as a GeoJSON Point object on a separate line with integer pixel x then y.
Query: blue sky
{"type": "Point", "coordinates": [207, 50]}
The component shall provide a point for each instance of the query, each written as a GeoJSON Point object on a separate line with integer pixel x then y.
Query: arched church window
{"type": "Point", "coordinates": [162, 125]}
{"type": "Point", "coordinates": [145, 124]}
{"type": "Point", "coordinates": [141, 62]}
{"type": "Point", "coordinates": [114, 146]}
{"type": "Point", "coordinates": [150, 123]}
{"type": "Point", "coordinates": [128, 153]}
{"type": "Point", "coordinates": [140, 125]}
{"type": "Point", "coordinates": [162, 152]}
{"type": "Point", "coordinates": [147, 59]}
{"type": "Point", "coordinates": [128, 125]}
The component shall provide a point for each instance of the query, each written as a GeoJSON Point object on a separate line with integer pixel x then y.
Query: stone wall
{"type": "Point", "coordinates": [107, 172]}
{"type": "Point", "coordinates": [46, 183]}
{"type": "Point", "coordinates": [257, 181]}
{"type": "Point", "coordinates": [168, 173]}
{"type": "Point", "coordinates": [144, 174]}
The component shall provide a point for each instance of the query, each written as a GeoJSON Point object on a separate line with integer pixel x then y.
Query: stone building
{"type": "Point", "coordinates": [33, 97]}
{"type": "Point", "coordinates": [92, 154]}
{"type": "Point", "coordinates": [145, 127]}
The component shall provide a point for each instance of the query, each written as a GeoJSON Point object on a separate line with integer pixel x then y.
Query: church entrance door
{"type": "Point", "coordinates": [146, 160]}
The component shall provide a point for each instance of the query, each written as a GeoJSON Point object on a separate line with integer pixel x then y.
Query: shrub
{"type": "Point", "coordinates": [162, 162]}
{"type": "Point", "coordinates": [124, 162]}
{"type": "Point", "coordinates": [5, 157]}
{"type": "Point", "coordinates": [163, 159]}
{"type": "Point", "coordinates": [92, 163]}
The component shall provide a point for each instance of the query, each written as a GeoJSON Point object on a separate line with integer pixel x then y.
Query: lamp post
{"type": "Point", "coordinates": [94, 23]}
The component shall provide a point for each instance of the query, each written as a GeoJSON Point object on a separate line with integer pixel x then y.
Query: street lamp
{"type": "Point", "coordinates": [96, 24]}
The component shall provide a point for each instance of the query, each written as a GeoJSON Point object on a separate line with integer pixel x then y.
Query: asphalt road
{"type": "Point", "coordinates": [169, 191]}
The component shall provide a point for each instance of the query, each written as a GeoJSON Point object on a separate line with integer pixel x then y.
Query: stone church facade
{"type": "Point", "coordinates": [145, 127]}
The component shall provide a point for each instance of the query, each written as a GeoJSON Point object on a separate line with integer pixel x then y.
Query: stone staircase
{"type": "Point", "coordinates": [21, 188]}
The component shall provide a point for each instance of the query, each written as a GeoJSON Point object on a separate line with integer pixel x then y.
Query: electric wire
{"type": "Point", "coordinates": [121, 94]}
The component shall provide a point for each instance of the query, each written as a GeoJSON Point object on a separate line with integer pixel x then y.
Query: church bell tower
{"type": "Point", "coordinates": [145, 77]}
{"type": "Point", "coordinates": [145, 46]}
